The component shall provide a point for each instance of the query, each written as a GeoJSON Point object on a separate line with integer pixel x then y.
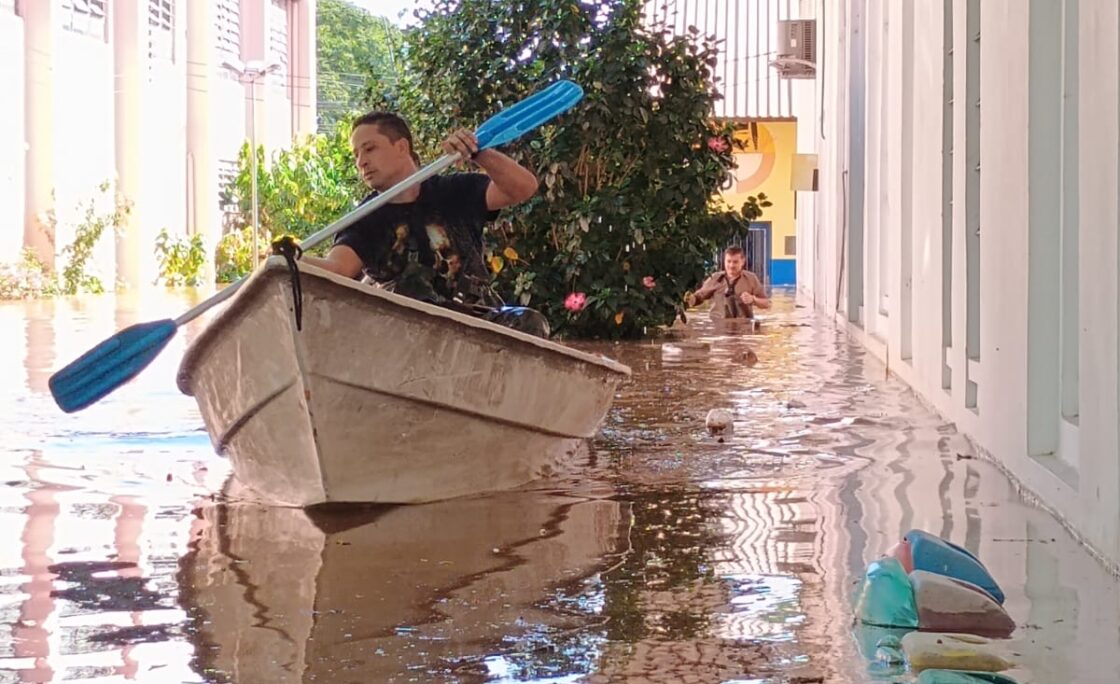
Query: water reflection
{"type": "Point", "coordinates": [85, 599]}
{"type": "Point", "coordinates": [282, 595]}
{"type": "Point", "coordinates": [662, 555]}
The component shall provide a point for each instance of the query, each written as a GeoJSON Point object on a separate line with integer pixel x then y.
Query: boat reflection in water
{"type": "Point", "coordinates": [372, 594]}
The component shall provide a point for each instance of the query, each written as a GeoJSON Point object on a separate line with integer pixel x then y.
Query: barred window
{"type": "Point", "coordinates": [227, 174]}
{"type": "Point", "coordinates": [227, 32]}
{"type": "Point", "coordinates": [86, 17]}
{"type": "Point", "coordinates": [161, 29]}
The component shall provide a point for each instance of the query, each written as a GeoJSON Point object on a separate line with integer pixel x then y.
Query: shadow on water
{"type": "Point", "coordinates": [663, 554]}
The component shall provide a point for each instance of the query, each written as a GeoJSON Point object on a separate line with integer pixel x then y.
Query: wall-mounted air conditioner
{"type": "Point", "coordinates": [797, 48]}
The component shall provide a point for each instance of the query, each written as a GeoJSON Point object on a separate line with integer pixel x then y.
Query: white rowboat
{"type": "Point", "coordinates": [380, 398]}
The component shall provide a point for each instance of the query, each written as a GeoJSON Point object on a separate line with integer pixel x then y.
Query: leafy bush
{"type": "Point", "coordinates": [28, 278]}
{"type": "Point", "coordinates": [233, 256]}
{"type": "Point", "coordinates": [181, 260]}
{"type": "Point", "coordinates": [31, 278]}
{"type": "Point", "coordinates": [104, 210]}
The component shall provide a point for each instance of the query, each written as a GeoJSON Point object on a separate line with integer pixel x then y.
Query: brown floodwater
{"type": "Point", "coordinates": [662, 554]}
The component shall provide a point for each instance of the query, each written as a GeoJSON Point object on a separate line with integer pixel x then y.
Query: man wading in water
{"type": "Point", "coordinates": [734, 291]}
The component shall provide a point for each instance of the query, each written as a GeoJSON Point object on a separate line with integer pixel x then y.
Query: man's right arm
{"type": "Point", "coordinates": [342, 260]}
{"type": "Point", "coordinates": [705, 291]}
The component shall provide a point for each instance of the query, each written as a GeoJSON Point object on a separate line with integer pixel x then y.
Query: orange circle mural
{"type": "Point", "coordinates": [756, 161]}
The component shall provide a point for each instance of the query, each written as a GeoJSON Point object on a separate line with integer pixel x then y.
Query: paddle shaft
{"type": "Point", "coordinates": [341, 224]}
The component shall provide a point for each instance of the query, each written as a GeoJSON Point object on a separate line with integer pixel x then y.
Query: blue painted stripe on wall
{"type": "Point", "coordinates": [783, 272]}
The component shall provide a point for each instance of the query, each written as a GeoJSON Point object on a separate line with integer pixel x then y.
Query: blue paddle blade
{"type": "Point", "coordinates": [514, 122]}
{"type": "Point", "coordinates": [110, 364]}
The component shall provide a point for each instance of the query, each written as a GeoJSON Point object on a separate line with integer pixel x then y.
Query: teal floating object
{"type": "Point", "coordinates": [886, 597]}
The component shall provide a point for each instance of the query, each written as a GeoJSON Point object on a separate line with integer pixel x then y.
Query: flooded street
{"type": "Point", "coordinates": [663, 554]}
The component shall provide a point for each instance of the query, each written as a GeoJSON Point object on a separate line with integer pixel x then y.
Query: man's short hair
{"type": "Point", "coordinates": [733, 250]}
{"type": "Point", "coordinates": [390, 125]}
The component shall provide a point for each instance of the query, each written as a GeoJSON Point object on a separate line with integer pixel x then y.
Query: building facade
{"type": "Point", "coordinates": [966, 222]}
{"type": "Point", "coordinates": [149, 96]}
{"type": "Point", "coordinates": [760, 106]}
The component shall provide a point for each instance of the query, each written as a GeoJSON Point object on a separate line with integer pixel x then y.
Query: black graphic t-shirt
{"type": "Point", "coordinates": [439, 234]}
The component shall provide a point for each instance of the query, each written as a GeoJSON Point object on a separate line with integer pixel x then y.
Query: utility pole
{"type": "Point", "coordinates": [251, 71]}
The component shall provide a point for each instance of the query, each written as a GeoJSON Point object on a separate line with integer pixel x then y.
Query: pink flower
{"type": "Point", "coordinates": [649, 282]}
{"type": "Point", "coordinates": [717, 144]}
{"type": "Point", "coordinates": [575, 301]}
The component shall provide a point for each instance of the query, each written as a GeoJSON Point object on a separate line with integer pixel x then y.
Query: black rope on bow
{"type": "Point", "coordinates": [288, 247]}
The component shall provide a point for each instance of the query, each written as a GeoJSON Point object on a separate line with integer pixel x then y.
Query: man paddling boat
{"type": "Point", "coordinates": [427, 243]}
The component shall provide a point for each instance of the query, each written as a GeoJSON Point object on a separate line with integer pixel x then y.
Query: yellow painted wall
{"type": "Point", "coordinates": [765, 165]}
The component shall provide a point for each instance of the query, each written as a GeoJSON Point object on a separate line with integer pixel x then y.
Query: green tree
{"type": "Point", "coordinates": [622, 223]}
{"type": "Point", "coordinates": [353, 46]}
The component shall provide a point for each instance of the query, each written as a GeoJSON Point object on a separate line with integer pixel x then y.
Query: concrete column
{"type": "Point", "coordinates": [202, 190]}
{"type": "Point", "coordinates": [302, 47]}
{"type": "Point", "coordinates": [129, 34]}
{"type": "Point", "coordinates": [39, 118]}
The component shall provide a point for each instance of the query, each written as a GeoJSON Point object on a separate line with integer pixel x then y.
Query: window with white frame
{"type": "Point", "coordinates": [161, 30]}
{"type": "Point", "coordinates": [86, 17]}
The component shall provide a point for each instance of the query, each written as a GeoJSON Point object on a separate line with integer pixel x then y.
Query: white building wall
{"type": "Point", "coordinates": [162, 202]}
{"type": "Point", "coordinates": [13, 142]}
{"type": "Point", "coordinates": [83, 151]}
{"type": "Point", "coordinates": [885, 243]}
{"type": "Point", "coordinates": [1099, 358]}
